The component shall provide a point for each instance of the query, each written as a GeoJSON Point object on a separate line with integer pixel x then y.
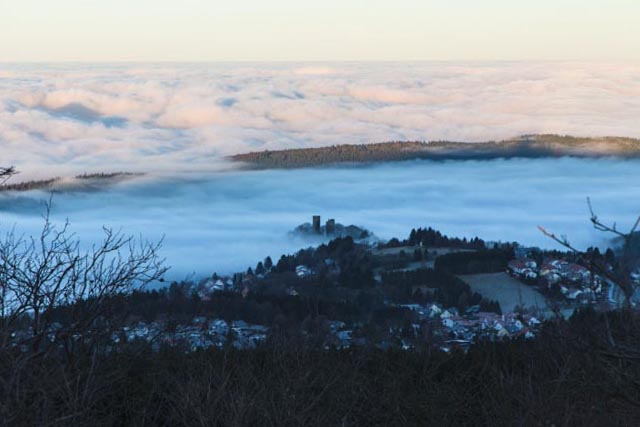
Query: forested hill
{"type": "Point", "coordinates": [85, 181]}
{"type": "Point", "coordinates": [528, 146]}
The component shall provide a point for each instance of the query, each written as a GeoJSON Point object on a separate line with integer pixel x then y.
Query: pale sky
{"type": "Point", "coordinates": [320, 30]}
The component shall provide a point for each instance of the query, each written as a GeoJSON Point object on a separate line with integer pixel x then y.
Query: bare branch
{"type": "Point", "coordinates": [621, 275]}
{"type": "Point", "coordinates": [39, 275]}
{"type": "Point", "coordinates": [6, 173]}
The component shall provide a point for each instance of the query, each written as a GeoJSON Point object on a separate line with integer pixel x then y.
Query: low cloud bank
{"type": "Point", "coordinates": [225, 222]}
{"type": "Point", "coordinates": [62, 119]}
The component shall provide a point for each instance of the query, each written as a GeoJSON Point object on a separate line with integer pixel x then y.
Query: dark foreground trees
{"type": "Point", "coordinates": [570, 375]}
{"type": "Point", "coordinates": [56, 319]}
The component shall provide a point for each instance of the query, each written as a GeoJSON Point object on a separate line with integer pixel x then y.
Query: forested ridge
{"type": "Point", "coordinates": [529, 146]}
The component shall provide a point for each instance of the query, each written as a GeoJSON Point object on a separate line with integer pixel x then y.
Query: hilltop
{"type": "Point", "coordinates": [79, 182]}
{"type": "Point", "coordinates": [527, 146]}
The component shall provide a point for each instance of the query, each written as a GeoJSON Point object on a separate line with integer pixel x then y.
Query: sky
{"type": "Point", "coordinates": [328, 30]}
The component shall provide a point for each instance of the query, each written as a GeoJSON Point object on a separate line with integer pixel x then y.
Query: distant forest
{"type": "Point", "coordinates": [47, 184]}
{"type": "Point", "coordinates": [529, 146]}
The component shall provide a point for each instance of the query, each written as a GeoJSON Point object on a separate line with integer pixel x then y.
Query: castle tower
{"type": "Point", "coordinates": [330, 228]}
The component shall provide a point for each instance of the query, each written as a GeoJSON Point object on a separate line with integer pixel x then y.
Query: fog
{"type": "Point", "coordinates": [71, 118]}
{"type": "Point", "coordinates": [226, 221]}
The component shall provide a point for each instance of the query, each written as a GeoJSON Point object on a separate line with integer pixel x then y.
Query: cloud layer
{"type": "Point", "coordinates": [60, 118]}
{"type": "Point", "coordinates": [225, 222]}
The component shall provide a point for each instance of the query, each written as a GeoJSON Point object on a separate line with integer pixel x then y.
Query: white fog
{"type": "Point", "coordinates": [227, 221]}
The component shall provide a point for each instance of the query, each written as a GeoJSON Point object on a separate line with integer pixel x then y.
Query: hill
{"type": "Point", "coordinates": [86, 181]}
{"type": "Point", "coordinates": [527, 146]}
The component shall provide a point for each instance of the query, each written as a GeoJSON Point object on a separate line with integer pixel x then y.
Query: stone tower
{"type": "Point", "coordinates": [330, 228]}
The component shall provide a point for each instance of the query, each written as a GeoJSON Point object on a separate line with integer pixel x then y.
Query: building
{"type": "Point", "coordinates": [316, 224]}
{"type": "Point", "coordinates": [303, 271]}
{"type": "Point", "coordinates": [330, 227]}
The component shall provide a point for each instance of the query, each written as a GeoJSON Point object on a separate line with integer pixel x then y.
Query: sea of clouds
{"type": "Point", "coordinates": [68, 118]}
{"type": "Point", "coordinates": [177, 122]}
{"type": "Point", "coordinates": [227, 221]}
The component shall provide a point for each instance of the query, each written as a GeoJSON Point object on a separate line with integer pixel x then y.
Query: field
{"type": "Point", "coordinates": [508, 291]}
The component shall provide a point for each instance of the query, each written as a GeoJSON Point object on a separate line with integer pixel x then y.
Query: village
{"type": "Point", "coordinates": [444, 328]}
{"type": "Point", "coordinates": [558, 280]}
{"type": "Point", "coordinates": [433, 291]}
{"type": "Point", "coordinates": [201, 333]}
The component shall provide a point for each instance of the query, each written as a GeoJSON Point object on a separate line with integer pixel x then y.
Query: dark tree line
{"type": "Point", "coordinates": [335, 154]}
{"type": "Point", "coordinates": [484, 261]}
{"type": "Point", "coordinates": [432, 238]}
{"type": "Point", "coordinates": [352, 262]}
{"type": "Point", "coordinates": [181, 305]}
{"type": "Point", "coordinates": [569, 375]}
{"type": "Point", "coordinates": [435, 286]}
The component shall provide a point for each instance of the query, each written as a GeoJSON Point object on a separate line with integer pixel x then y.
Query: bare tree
{"type": "Point", "coordinates": [627, 259]}
{"type": "Point", "coordinates": [6, 173]}
{"type": "Point", "coordinates": [39, 275]}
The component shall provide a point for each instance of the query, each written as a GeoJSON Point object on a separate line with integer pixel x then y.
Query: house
{"type": "Point", "coordinates": [517, 266]}
{"type": "Point", "coordinates": [303, 271]}
{"type": "Point", "coordinates": [551, 277]}
{"type": "Point", "coordinates": [218, 327]}
{"type": "Point", "coordinates": [248, 336]}
{"type": "Point", "coordinates": [406, 345]}
{"type": "Point", "coordinates": [553, 267]}
{"type": "Point", "coordinates": [576, 273]}
{"type": "Point", "coordinates": [573, 293]}
{"type": "Point", "coordinates": [344, 338]}
{"type": "Point", "coordinates": [345, 335]}
{"type": "Point", "coordinates": [523, 268]}
{"type": "Point", "coordinates": [503, 333]}
{"type": "Point", "coordinates": [335, 325]}
{"type": "Point", "coordinates": [434, 310]}
{"type": "Point", "coordinates": [518, 324]}
{"type": "Point", "coordinates": [210, 286]}
{"type": "Point", "coordinates": [448, 322]}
